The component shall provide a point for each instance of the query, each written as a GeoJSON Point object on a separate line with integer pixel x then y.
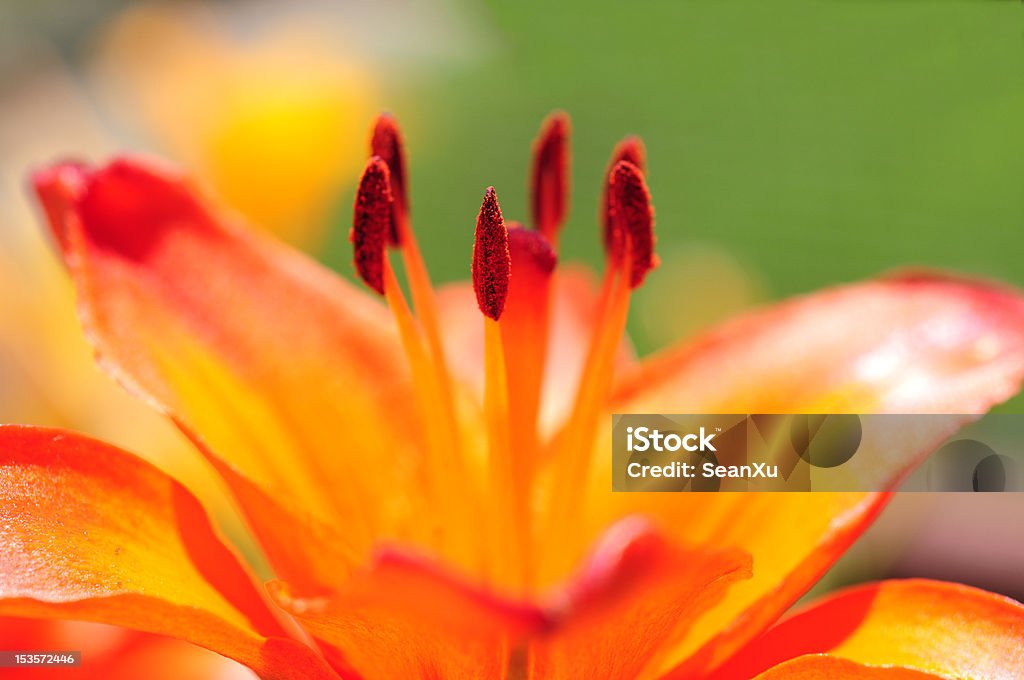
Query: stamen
{"type": "Point", "coordinates": [574, 444]}
{"type": "Point", "coordinates": [508, 534]}
{"type": "Point", "coordinates": [386, 142]}
{"type": "Point", "coordinates": [632, 150]}
{"type": "Point", "coordinates": [491, 274]}
{"type": "Point", "coordinates": [371, 222]}
{"type": "Point", "coordinates": [550, 177]}
{"type": "Point", "coordinates": [633, 219]}
{"type": "Point", "coordinates": [632, 227]}
{"type": "Point", "coordinates": [444, 476]}
{"type": "Point", "coordinates": [491, 259]}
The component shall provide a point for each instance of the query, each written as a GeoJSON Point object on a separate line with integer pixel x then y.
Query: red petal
{"type": "Point", "coordinates": [93, 533]}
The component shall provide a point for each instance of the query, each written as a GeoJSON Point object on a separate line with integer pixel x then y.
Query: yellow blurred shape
{"type": "Point", "coordinates": [695, 286]}
{"type": "Point", "coordinates": [48, 375]}
{"type": "Point", "coordinates": [274, 122]}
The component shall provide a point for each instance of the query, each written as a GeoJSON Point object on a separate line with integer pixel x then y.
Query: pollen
{"type": "Point", "coordinates": [633, 220]}
{"type": "Point", "coordinates": [632, 150]}
{"type": "Point", "coordinates": [550, 176]}
{"type": "Point", "coordinates": [492, 263]}
{"type": "Point", "coordinates": [371, 223]}
{"type": "Point", "coordinates": [386, 142]}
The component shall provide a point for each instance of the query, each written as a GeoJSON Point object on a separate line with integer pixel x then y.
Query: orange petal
{"type": "Point", "coordinates": [792, 537]}
{"type": "Point", "coordinates": [829, 668]}
{"type": "Point", "coordinates": [911, 344]}
{"type": "Point", "coordinates": [112, 653]}
{"type": "Point", "coordinates": [95, 534]}
{"type": "Point", "coordinates": [915, 343]}
{"type": "Point", "coordinates": [574, 310]}
{"type": "Point", "coordinates": [635, 591]}
{"type": "Point", "coordinates": [946, 629]}
{"type": "Point", "coordinates": [289, 378]}
{"type": "Point", "coordinates": [163, 659]}
{"type": "Point", "coordinates": [408, 618]}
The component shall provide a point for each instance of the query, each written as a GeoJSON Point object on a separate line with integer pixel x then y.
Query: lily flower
{"type": "Point", "coordinates": [428, 476]}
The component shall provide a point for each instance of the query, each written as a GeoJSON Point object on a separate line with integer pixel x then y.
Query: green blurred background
{"type": "Point", "coordinates": [818, 142]}
{"type": "Point", "coordinates": [822, 141]}
{"type": "Point", "coordinates": [792, 145]}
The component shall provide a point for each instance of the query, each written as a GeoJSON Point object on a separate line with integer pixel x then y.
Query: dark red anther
{"type": "Point", "coordinates": [632, 150]}
{"type": "Point", "coordinates": [549, 183]}
{"type": "Point", "coordinates": [387, 143]}
{"type": "Point", "coordinates": [492, 263]}
{"type": "Point", "coordinates": [632, 221]}
{"type": "Point", "coordinates": [372, 222]}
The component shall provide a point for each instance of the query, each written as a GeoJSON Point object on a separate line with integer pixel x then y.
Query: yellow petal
{"type": "Point", "coordinates": [946, 629]}
{"type": "Point", "coordinates": [828, 668]}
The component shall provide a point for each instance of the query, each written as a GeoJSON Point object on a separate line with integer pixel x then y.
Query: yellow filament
{"type": "Point", "coordinates": [575, 443]}
{"type": "Point", "coordinates": [510, 499]}
{"type": "Point", "coordinates": [448, 483]}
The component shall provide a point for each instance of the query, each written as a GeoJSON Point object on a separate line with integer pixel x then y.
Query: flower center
{"type": "Point", "coordinates": [531, 484]}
